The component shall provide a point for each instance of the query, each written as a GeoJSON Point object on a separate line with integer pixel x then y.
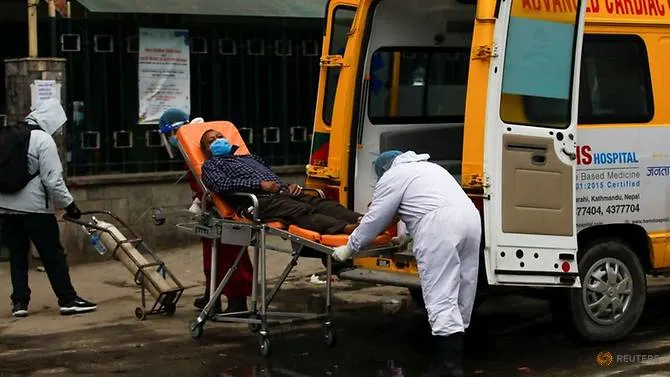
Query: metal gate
{"type": "Point", "coordinates": [262, 77]}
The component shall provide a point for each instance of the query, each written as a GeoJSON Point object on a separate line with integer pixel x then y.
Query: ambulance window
{"type": "Point", "coordinates": [418, 85]}
{"type": "Point", "coordinates": [340, 26]}
{"type": "Point", "coordinates": [615, 84]}
{"type": "Point", "coordinates": [537, 75]}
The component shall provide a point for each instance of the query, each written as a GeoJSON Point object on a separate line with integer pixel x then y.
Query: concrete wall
{"type": "Point", "coordinates": [132, 202]}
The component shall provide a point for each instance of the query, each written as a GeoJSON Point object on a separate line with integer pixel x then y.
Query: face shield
{"type": "Point", "coordinates": [169, 123]}
{"type": "Point", "coordinates": [169, 136]}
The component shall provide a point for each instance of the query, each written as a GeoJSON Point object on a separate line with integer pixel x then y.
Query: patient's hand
{"type": "Point", "coordinates": [270, 186]}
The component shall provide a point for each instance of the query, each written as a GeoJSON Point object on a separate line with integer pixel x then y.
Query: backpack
{"type": "Point", "coordinates": [14, 143]}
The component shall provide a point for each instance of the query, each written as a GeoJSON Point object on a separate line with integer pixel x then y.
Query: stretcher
{"type": "Point", "coordinates": [149, 272]}
{"type": "Point", "coordinates": [241, 227]}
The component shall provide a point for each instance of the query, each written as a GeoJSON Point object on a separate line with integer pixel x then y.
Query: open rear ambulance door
{"type": "Point", "coordinates": [530, 144]}
{"type": "Point", "coordinates": [338, 19]}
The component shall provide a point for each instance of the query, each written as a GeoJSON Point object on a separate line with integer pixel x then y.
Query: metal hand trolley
{"type": "Point", "coordinates": [151, 274]}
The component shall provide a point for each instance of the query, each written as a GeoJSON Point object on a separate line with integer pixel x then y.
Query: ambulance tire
{"type": "Point", "coordinates": [588, 329]}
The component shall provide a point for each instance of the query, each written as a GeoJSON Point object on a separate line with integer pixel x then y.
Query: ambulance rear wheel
{"type": "Point", "coordinates": [613, 293]}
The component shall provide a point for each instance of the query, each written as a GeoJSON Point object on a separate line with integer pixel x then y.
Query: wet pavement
{"type": "Point", "coordinates": [510, 336]}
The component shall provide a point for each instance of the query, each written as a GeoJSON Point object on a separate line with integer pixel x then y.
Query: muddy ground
{"type": "Point", "coordinates": [510, 336]}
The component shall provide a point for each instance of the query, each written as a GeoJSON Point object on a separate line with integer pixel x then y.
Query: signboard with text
{"type": "Point", "coordinates": [163, 73]}
{"type": "Point", "coordinates": [42, 90]}
{"type": "Point", "coordinates": [622, 177]}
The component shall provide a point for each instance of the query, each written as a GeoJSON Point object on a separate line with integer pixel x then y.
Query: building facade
{"type": "Point", "coordinates": [254, 63]}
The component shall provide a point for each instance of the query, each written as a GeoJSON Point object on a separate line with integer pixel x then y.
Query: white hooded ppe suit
{"type": "Point", "coordinates": [446, 228]}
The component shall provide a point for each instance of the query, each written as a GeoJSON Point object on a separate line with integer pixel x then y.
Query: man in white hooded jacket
{"type": "Point", "coordinates": [29, 215]}
{"type": "Point", "coordinates": [446, 228]}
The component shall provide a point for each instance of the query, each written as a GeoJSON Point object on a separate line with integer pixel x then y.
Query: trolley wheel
{"type": "Point", "coordinates": [254, 327]}
{"type": "Point", "coordinates": [330, 336]}
{"type": "Point", "coordinates": [265, 347]}
{"type": "Point", "coordinates": [140, 314]}
{"type": "Point", "coordinates": [170, 308]}
{"type": "Point", "coordinates": [196, 329]}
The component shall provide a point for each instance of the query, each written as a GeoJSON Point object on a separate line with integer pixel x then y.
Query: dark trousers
{"type": "Point", "coordinates": [42, 230]}
{"type": "Point", "coordinates": [309, 212]}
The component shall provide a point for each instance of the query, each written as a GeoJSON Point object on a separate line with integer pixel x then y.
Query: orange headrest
{"type": "Point", "coordinates": [189, 138]}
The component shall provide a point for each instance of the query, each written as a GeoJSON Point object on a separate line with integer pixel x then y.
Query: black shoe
{"type": "Point", "coordinates": [238, 305]}
{"type": "Point", "coordinates": [449, 357]}
{"type": "Point", "coordinates": [77, 306]}
{"type": "Point", "coordinates": [20, 310]}
{"type": "Point", "coordinates": [202, 301]}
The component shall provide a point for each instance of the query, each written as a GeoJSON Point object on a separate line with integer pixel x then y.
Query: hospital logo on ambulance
{"type": "Point", "coordinates": [586, 156]}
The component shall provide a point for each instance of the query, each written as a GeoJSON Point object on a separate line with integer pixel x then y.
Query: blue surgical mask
{"type": "Point", "coordinates": [221, 147]}
{"type": "Point", "coordinates": [173, 141]}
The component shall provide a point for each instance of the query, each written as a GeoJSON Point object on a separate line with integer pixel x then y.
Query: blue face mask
{"type": "Point", "coordinates": [221, 147]}
{"type": "Point", "coordinates": [173, 141]}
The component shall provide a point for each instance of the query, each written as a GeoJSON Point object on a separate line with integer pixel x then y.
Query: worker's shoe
{"type": "Point", "coordinates": [77, 306]}
{"type": "Point", "coordinates": [449, 357]}
{"type": "Point", "coordinates": [202, 301]}
{"type": "Point", "coordinates": [237, 305]}
{"type": "Point", "coordinates": [20, 309]}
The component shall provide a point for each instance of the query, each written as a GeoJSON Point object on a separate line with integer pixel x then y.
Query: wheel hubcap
{"type": "Point", "coordinates": [607, 291]}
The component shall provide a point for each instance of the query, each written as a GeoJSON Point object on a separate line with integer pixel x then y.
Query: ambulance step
{"type": "Point", "coordinates": [380, 277]}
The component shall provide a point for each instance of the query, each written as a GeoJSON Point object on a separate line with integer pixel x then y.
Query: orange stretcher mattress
{"type": "Point", "coordinates": [189, 138]}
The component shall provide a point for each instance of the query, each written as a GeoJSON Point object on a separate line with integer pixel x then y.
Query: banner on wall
{"type": "Point", "coordinates": [163, 73]}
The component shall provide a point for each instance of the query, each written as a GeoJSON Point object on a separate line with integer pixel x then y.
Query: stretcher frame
{"type": "Point", "coordinates": [245, 232]}
{"type": "Point", "coordinates": [166, 302]}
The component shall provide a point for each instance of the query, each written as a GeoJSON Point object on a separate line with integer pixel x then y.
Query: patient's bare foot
{"type": "Point", "coordinates": [349, 228]}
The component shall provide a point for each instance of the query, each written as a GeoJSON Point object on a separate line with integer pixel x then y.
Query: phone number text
{"type": "Point", "coordinates": [610, 209]}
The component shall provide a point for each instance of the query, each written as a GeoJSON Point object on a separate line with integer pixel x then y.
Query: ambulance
{"type": "Point", "coordinates": [549, 112]}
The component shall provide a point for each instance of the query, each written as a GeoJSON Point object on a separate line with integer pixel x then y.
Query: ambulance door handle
{"type": "Point", "coordinates": [539, 159]}
{"type": "Point", "coordinates": [572, 156]}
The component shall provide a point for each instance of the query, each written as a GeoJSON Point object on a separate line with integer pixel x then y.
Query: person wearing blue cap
{"type": "Point", "coordinates": [238, 288]}
{"type": "Point", "coordinates": [445, 227]}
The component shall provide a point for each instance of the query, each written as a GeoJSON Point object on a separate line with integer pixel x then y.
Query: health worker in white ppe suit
{"type": "Point", "coordinates": [445, 226]}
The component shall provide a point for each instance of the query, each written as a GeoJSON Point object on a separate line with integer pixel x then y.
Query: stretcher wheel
{"type": "Point", "coordinates": [265, 346]}
{"type": "Point", "coordinates": [140, 314]}
{"type": "Point", "coordinates": [170, 308]}
{"type": "Point", "coordinates": [196, 329]}
{"type": "Point", "coordinates": [330, 336]}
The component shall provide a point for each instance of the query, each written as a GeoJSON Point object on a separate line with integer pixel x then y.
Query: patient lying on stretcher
{"type": "Point", "coordinates": [225, 173]}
